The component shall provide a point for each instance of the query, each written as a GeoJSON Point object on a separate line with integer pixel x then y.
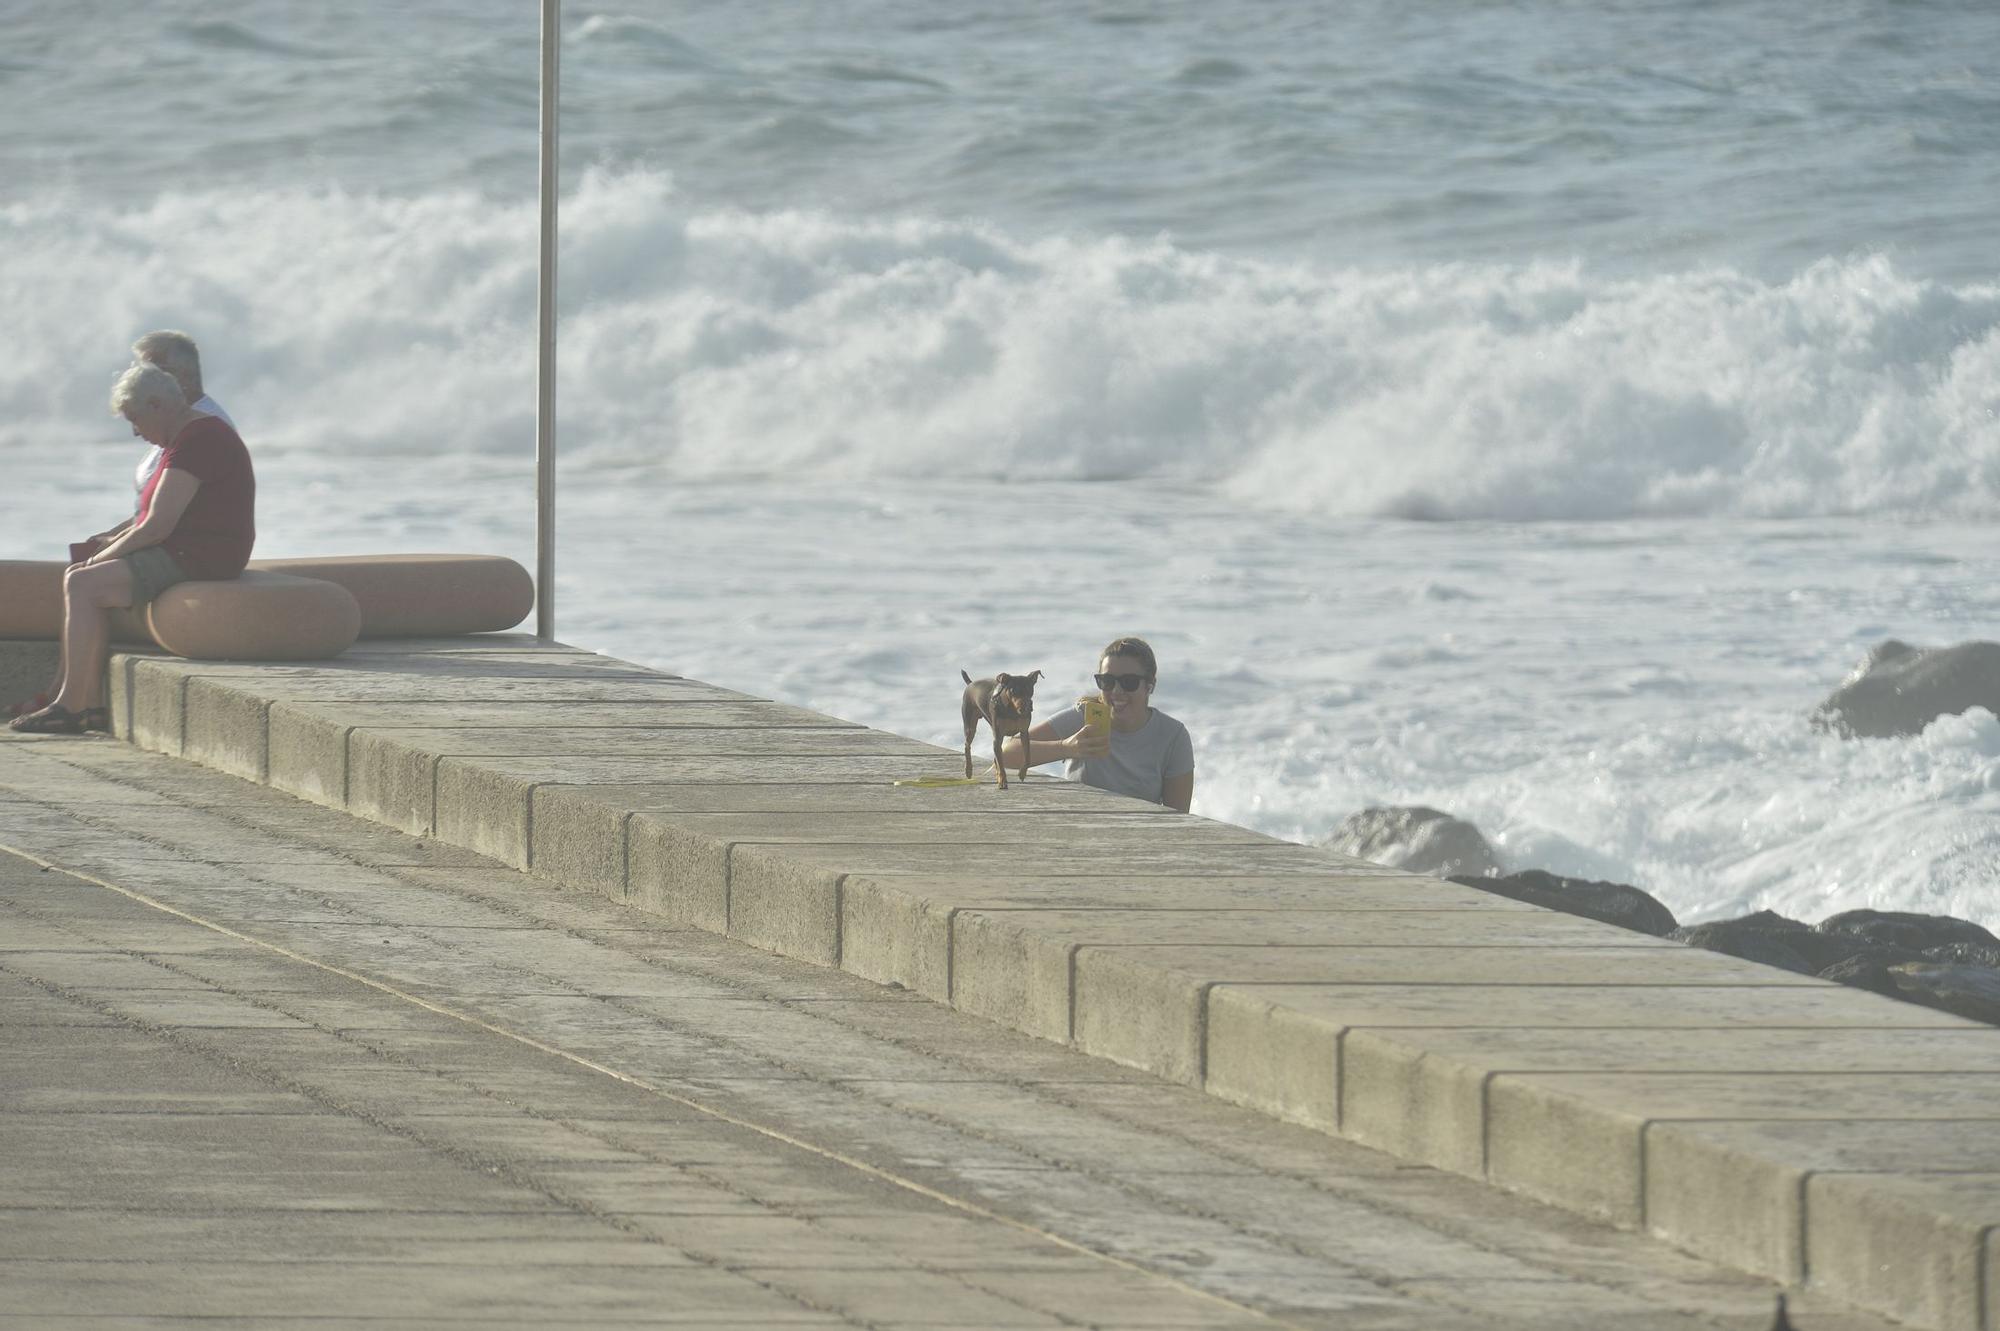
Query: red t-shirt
{"type": "Point", "coordinates": [218, 527]}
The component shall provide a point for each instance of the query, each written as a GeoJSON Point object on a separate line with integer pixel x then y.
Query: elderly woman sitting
{"type": "Point", "coordinates": [195, 520]}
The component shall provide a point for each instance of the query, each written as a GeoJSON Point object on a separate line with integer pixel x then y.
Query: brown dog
{"type": "Point", "coordinates": [1008, 704]}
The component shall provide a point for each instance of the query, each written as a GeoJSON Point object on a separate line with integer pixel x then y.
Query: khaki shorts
{"type": "Point", "coordinates": [153, 571]}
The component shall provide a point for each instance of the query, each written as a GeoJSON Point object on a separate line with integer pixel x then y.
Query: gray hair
{"type": "Point", "coordinates": [145, 385]}
{"type": "Point", "coordinates": [174, 352]}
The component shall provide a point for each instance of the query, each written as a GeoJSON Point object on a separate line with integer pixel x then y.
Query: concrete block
{"type": "Point", "coordinates": [1922, 1248]}
{"type": "Point", "coordinates": [656, 743]}
{"type": "Point", "coordinates": [354, 684]}
{"type": "Point", "coordinates": [226, 727]}
{"type": "Point", "coordinates": [1455, 1000]}
{"type": "Point", "coordinates": [477, 807]}
{"type": "Point", "coordinates": [396, 783]}
{"type": "Point", "coordinates": [515, 714]}
{"type": "Point", "coordinates": [1138, 924]}
{"type": "Point", "coordinates": [577, 838]}
{"type": "Point", "coordinates": [1137, 1007]}
{"type": "Point", "coordinates": [780, 904]}
{"type": "Point", "coordinates": [1736, 1191]}
{"type": "Point", "coordinates": [1272, 1058]}
{"type": "Point", "coordinates": [1019, 977]}
{"type": "Point", "coordinates": [308, 753]}
{"type": "Point", "coordinates": [1589, 966]}
{"type": "Point", "coordinates": [158, 696]}
{"type": "Point", "coordinates": [997, 888]}
{"type": "Point", "coordinates": [892, 935]}
{"type": "Point", "coordinates": [1398, 1096]}
{"type": "Point", "coordinates": [1420, 1093]}
{"type": "Point", "coordinates": [1575, 1139]}
{"type": "Point", "coordinates": [670, 873]}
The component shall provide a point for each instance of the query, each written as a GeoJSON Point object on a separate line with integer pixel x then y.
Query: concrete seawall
{"type": "Point", "coordinates": [1779, 1124]}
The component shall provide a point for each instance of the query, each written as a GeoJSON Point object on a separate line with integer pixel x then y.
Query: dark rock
{"type": "Point", "coordinates": [1900, 689]}
{"type": "Point", "coordinates": [1415, 838]}
{"type": "Point", "coordinates": [1765, 936]}
{"type": "Point", "coordinates": [1964, 954]}
{"type": "Point", "coordinates": [1870, 970]}
{"type": "Point", "coordinates": [1968, 991]}
{"type": "Point", "coordinates": [1613, 903]}
{"type": "Point", "coordinates": [1901, 928]}
{"type": "Point", "coordinates": [1817, 949]}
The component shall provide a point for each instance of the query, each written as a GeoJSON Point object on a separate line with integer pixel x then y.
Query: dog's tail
{"type": "Point", "coordinates": [962, 675]}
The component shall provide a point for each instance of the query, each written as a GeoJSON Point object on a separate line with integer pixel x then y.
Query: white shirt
{"type": "Point", "coordinates": [149, 464]}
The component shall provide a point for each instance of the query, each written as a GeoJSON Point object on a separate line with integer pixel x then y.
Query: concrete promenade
{"type": "Point", "coordinates": [264, 1065]}
{"type": "Point", "coordinates": [1781, 1125]}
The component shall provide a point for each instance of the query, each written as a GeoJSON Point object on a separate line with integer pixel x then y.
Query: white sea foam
{"type": "Point", "coordinates": [718, 343]}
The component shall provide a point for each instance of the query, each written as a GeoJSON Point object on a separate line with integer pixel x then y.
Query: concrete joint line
{"type": "Point", "coordinates": [347, 774]}
{"type": "Point", "coordinates": [264, 750]}
{"type": "Point", "coordinates": [527, 814]}
{"type": "Point", "coordinates": [624, 854]}
{"type": "Point", "coordinates": [1069, 1037]}
{"type": "Point", "coordinates": [436, 761]}
{"type": "Point", "coordinates": [728, 888]}
{"type": "Point", "coordinates": [839, 919]}
{"type": "Point", "coordinates": [1340, 1085]}
{"type": "Point", "coordinates": [181, 743]}
{"type": "Point", "coordinates": [951, 959]}
{"type": "Point", "coordinates": [1804, 1250]}
{"type": "Point", "coordinates": [1982, 1293]}
{"type": "Point", "coordinates": [1200, 1031]}
{"type": "Point", "coordinates": [1486, 1123]}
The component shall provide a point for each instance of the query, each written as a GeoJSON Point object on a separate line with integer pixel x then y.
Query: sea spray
{"type": "Point", "coordinates": [718, 343]}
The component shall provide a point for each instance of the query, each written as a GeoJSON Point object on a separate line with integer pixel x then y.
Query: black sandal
{"type": "Point", "coordinates": [51, 720]}
{"type": "Point", "coordinates": [96, 720]}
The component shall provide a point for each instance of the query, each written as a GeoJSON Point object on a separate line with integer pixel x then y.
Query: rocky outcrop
{"type": "Point", "coordinates": [1415, 838]}
{"type": "Point", "coordinates": [1613, 903]}
{"type": "Point", "coordinates": [1967, 991]}
{"type": "Point", "coordinates": [1766, 936]}
{"type": "Point", "coordinates": [1900, 689]}
{"type": "Point", "coordinates": [1907, 929]}
{"type": "Point", "coordinates": [1936, 960]}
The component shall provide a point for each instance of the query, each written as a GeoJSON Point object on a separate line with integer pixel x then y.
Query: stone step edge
{"type": "Point", "coordinates": [1747, 1213]}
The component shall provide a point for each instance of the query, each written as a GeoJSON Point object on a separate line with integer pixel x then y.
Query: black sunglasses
{"type": "Point", "coordinates": [1129, 683]}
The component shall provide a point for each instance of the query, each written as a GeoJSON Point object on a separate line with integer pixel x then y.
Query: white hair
{"type": "Point", "coordinates": [145, 385]}
{"type": "Point", "coordinates": [174, 352]}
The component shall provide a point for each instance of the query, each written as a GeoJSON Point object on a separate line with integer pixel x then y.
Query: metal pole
{"type": "Point", "coordinates": [545, 356]}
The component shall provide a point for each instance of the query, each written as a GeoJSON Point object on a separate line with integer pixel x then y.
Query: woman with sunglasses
{"type": "Point", "coordinates": [1147, 753]}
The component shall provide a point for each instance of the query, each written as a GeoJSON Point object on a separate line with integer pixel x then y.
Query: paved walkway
{"type": "Point", "coordinates": [263, 1064]}
{"type": "Point", "coordinates": [1819, 1135]}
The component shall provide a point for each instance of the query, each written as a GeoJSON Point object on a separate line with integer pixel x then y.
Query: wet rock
{"type": "Point", "coordinates": [1902, 928]}
{"type": "Point", "coordinates": [1613, 903]}
{"type": "Point", "coordinates": [1863, 971]}
{"type": "Point", "coordinates": [1765, 936]}
{"type": "Point", "coordinates": [1968, 991]}
{"type": "Point", "coordinates": [1900, 689]}
{"type": "Point", "coordinates": [1964, 954]}
{"type": "Point", "coordinates": [1415, 838]}
{"type": "Point", "coordinates": [1817, 948]}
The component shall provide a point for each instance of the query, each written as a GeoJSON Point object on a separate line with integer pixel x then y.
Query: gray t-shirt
{"type": "Point", "coordinates": [1141, 761]}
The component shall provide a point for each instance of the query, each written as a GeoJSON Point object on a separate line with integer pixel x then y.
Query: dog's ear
{"type": "Point", "coordinates": [962, 675]}
{"type": "Point", "coordinates": [1034, 677]}
{"type": "Point", "coordinates": [1002, 678]}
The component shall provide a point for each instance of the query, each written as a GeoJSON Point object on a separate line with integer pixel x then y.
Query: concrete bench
{"type": "Point", "coordinates": [291, 609]}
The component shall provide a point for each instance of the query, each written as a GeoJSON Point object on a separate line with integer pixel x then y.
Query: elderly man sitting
{"type": "Point", "coordinates": [196, 519]}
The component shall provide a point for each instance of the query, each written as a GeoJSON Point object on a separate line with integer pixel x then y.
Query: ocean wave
{"type": "Point", "coordinates": [716, 343]}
